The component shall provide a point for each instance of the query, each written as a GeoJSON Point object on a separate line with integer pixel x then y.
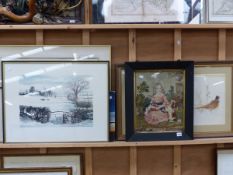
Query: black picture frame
{"type": "Point", "coordinates": [130, 69]}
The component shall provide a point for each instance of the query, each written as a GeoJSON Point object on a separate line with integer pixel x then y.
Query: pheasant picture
{"type": "Point", "coordinates": [211, 105]}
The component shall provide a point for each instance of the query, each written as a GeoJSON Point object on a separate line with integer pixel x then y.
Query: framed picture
{"type": "Point", "coordinates": [55, 101]}
{"type": "Point", "coordinates": [159, 100]}
{"type": "Point", "coordinates": [224, 161]}
{"type": "Point", "coordinates": [41, 12]}
{"type": "Point", "coordinates": [45, 161]}
{"type": "Point", "coordinates": [140, 11]}
{"type": "Point", "coordinates": [36, 171]}
{"type": "Point", "coordinates": [213, 99]}
{"type": "Point", "coordinates": [1, 117]}
{"type": "Point", "coordinates": [56, 52]}
{"type": "Point", "coordinates": [52, 52]}
{"type": "Point", "coordinates": [120, 77]}
{"type": "Point", "coordinates": [219, 11]}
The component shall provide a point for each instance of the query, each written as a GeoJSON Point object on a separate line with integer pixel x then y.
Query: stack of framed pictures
{"type": "Point", "coordinates": [67, 164]}
{"type": "Point", "coordinates": [42, 92]}
{"type": "Point", "coordinates": [212, 99]}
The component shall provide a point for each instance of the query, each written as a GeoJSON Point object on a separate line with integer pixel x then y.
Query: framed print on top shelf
{"type": "Point", "coordinates": [140, 11]}
{"type": "Point", "coordinates": [159, 100]}
{"type": "Point", "coordinates": [36, 171]}
{"type": "Point", "coordinates": [219, 11]}
{"type": "Point", "coordinates": [68, 99]}
{"type": "Point", "coordinates": [213, 99]}
{"type": "Point", "coordinates": [73, 161]}
{"type": "Point", "coordinates": [224, 161]}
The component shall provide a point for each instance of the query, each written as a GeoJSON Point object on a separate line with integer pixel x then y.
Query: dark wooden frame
{"type": "Point", "coordinates": [130, 68]}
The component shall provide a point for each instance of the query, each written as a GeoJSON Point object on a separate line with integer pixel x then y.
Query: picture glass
{"type": "Point", "coordinates": [44, 161]}
{"type": "Point", "coordinates": [56, 98]}
{"type": "Point", "coordinates": [224, 162]}
{"type": "Point", "coordinates": [159, 101]}
{"type": "Point", "coordinates": [212, 99]}
{"type": "Point", "coordinates": [150, 11]}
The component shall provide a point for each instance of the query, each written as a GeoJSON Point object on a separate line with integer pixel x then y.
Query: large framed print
{"type": "Point", "coordinates": [36, 171]}
{"type": "Point", "coordinates": [159, 100]}
{"type": "Point", "coordinates": [224, 161]}
{"type": "Point", "coordinates": [45, 161]}
{"type": "Point", "coordinates": [55, 101]}
{"type": "Point", "coordinates": [219, 11]}
{"type": "Point", "coordinates": [213, 99]}
{"type": "Point", "coordinates": [140, 11]}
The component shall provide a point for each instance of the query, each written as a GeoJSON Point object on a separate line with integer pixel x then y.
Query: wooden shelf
{"type": "Point", "coordinates": [116, 26]}
{"type": "Point", "coordinates": [120, 144]}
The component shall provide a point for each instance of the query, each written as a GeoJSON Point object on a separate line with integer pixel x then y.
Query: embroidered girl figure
{"type": "Point", "coordinates": [156, 112]}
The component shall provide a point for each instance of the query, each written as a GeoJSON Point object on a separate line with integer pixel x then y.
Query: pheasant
{"type": "Point", "coordinates": [210, 106]}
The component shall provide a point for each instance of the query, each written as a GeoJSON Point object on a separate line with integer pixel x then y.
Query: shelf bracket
{"type": "Point", "coordinates": [39, 37]}
{"type": "Point", "coordinates": [132, 45]}
{"type": "Point", "coordinates": [88, 161]}
{"type": "Point", "coordinates": [133, 160]}
{"type": "Point", "coordinates": [177, 160]}
{"type": "Point", "coordinates": [222, 45]}
{"type": "Point", "coordinates": [177, 44]}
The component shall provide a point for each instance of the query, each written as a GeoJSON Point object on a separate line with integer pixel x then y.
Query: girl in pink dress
{"type": "Point", "coordinates": [156, 111]}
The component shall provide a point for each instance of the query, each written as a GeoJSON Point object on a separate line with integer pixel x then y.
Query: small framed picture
{"type": "Point", "coordinates": [55, 101]}
{"type": "Point", "coordinates": [159, 100]}
{"type": "Point", "coordinates": [224, 162]}
{"type": "Point", "coordinates": [213, 99]}
{"type": "Point", "coordinates": [120, 76]}
{"type": "Point", "coordinates": [36, 171]}
{"type": "Point", "coordinates": [219, 11]}
{"type": "Point", "coordinates": [45, 161]}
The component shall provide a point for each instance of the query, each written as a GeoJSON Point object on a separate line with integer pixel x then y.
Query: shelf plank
{"type": "Point", "coordinates": [115, 26]}
{"type": "Point", "coordinates": [119, 143]}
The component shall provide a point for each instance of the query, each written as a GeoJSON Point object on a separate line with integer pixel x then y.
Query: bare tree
{"type": "Point", "coordinates": [75, 88]}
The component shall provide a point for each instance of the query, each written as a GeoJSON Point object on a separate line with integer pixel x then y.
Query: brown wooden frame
{"type": "Point", "coordinates": [81, 155]}
{"type": "Point", "coordinates": [35, 170]}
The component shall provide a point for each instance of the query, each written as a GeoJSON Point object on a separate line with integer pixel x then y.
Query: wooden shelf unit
{"type": "Point", "coordinates": [133, 42]}
{"type": "Point", "coordinates": [142, 43]}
